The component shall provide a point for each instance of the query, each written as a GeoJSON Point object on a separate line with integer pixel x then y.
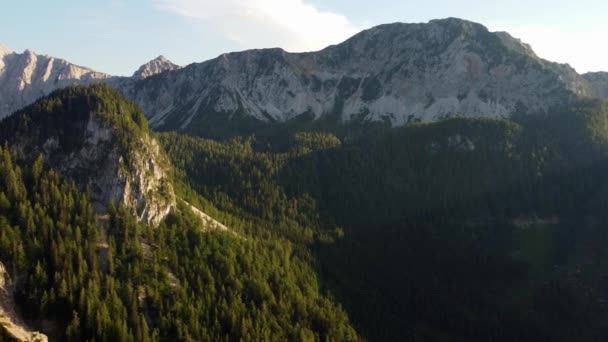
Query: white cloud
{"type": "Point", "coordinates": [291, 24]}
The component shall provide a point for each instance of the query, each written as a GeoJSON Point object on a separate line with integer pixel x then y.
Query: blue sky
{"type": "Point", "coordinates": [116, 36]}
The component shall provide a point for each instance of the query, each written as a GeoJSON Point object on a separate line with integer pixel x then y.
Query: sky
{"type": "Point", "coordinates": [117, 36]}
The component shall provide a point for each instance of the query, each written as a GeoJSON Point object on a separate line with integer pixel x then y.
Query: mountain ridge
{"type": "Point", "coordinates": [28, 76]}
{"type": "Point", "coordinates": [397, 73]}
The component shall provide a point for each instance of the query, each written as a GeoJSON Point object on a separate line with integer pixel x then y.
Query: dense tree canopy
{"type": "Point", "coordinates": [465, 229]}
{"type": "Point", "coordinates": [460, 230]}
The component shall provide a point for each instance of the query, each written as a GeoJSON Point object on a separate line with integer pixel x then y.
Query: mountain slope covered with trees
{"type": "Point", "coordinates": [460, 230]}
{"type": "Point", "coordinates": [85, 276]}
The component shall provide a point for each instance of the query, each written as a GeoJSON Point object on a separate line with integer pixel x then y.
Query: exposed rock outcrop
{"type": "Point", "coordinates": [100, 140]}
{"type": "Point", "coordinates": [27, 76]}
{"type": "Point", "coordinates": [10, 322]}
{"type": "Point", "coordinates": [398, 73]}
{"type": "Point", "coordinates": [154, 67]}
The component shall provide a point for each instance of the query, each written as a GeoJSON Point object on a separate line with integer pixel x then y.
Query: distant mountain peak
{"type": "Point", "coordinates": [5, 50]}
{"type": "Point", "coordinates": [156, 66]}
{"type": "Point", "coordinates": [162, 59]}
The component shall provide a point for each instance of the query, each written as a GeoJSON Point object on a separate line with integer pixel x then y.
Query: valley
{"type": "Point", "coordinates": [416, 182]}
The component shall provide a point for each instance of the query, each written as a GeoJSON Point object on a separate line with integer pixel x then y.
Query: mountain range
{"type": "Point", "coordinates": [396, 73]}
{"type": "Point", "coordinates": [417, 182]}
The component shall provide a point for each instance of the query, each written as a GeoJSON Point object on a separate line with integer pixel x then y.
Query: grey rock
{"type": "Point", "coordinates": [25, 77]}
{"type": "Point", "coordinates": [396, 73]}
{"type": "Point", "coordinates": [154, 67]}
{"type": "Point", "coordinates": [136, 177]}
{"type": "Point", "coordinates": [599, 83]}
{"type": "Point", "coordinates": [399, 73]}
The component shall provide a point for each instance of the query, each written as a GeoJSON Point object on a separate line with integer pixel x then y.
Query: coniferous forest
{"type": "Point", "coordinates": [458, 230]}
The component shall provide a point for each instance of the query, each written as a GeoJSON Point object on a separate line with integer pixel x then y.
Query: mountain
{"type": "Point", "coordinates": [465, 229]}
{"type": "Point", "coordinates": [148, 267]}
{"type": "Point", "coordinates": [97, 138]}
{"type": "Point", "coordinates": [156, 66]}
{"type": "Point", "coordinates": [398, 73]}
{"type": "Point", "coordinates": [27, 76]}
{"type": "Point", "coordinates": [395, 73]}
{"type": "Point", "coordinates": [599, 83]}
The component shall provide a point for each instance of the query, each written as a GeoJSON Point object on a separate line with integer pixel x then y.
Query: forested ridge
{"type": "Point", "coordinates": [459, 230]}
{"type": "Point", "coordinates": [464, 229]}
{"type": "Point", "coordinates": [85, 277]}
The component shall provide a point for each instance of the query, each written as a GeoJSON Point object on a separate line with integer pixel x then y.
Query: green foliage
{"type": "Point", "coordinates": [122, 281]}
{"type": "Point", "coordinates": [461, 230]}
{"type": "Point", "coordinates": [465, 229]}
{"type": "Point", "coordinates": [66, 112]}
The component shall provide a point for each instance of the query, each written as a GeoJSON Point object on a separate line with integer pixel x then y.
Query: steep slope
{"type": "Point", "coordinates": [599, 83]}
{"type": "Point", "coordinates": [397, 73]}
{"type": "Point", "coordinates": [96, 137]}
{"type": "Point", "coordinates": [156, 66]}
{"type": "Point", "coordinates": [459, 230]}
{"type": "Point", "coordinates": [10, 321]}
{"type": "Point", "coordinates": [83, 279]}
{"type": "Point", "coordinates": [27, 76]}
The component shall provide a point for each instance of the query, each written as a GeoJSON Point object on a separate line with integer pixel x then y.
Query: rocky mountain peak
{"type": "Point", "coordinates": [4, 50]}
{"type": "Point", "coordinates": [156, 66]}
{"type": "Point", "coordinates": [396, 73]}
{"type": "Point", "coordinates": [27, 76]}
{"type": "Point", "coordinates": [97, 138]}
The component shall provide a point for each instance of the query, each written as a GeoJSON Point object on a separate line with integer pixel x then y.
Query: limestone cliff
{"type": "Point", "coordinates": [397, 73]}
{"type": "Point", "coordinates": [27, 76]}
{"type": "Point", "coordinates": [97, 138]}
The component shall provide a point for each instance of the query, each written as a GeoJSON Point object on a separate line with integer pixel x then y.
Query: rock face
{"type": "Point", "coordinates": [154, 67]}
{"type": "Point", "coordinates": [599, 83]}
{"type": "Point", "coordinates": [25, 77]}
{"type": "Point", "coordinates": [110, 154]}
{"type": "Point", "coordinates": [10, 322]}
{"type": "Point", "coordinates": [397, 73]}
{"type": "Point", "coordinates": [137, 178]}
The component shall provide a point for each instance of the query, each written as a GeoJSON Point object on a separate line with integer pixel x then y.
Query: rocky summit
{"type": "Point", "coordinates": [395, 73]}
{"type": "Point", "coordinates": [398, 73]}
{"type": "Point", "coordinates": [156, 66]}
{"type": "Point", "coordinates": [27, 76]}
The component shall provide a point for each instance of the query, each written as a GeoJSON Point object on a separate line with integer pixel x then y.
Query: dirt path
{"type": "Point", "coordinates": [209, 222]}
